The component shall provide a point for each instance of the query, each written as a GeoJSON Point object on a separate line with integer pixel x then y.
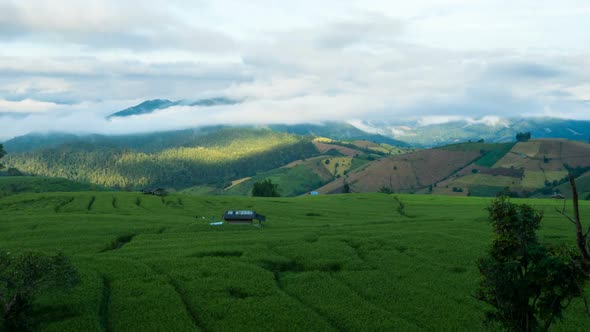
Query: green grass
{"type": "Point", "coordinates": [582, 184]}
{"type": "Point", "coordinates": [202, 190]}
{"type": "Point", "coordinates": [18, 184]}
{"type": "Point", "coordinates": [535, 179]}
{"type": "Point", "coordinates": [321, 263]}
{"type": "Point", "coordinates": [487, 179]}
{"type": "Point", "coordinates": [484, 190]}
{"type": "Point", "coordinates": [491, 152]}
{"type": "Point", "coordinates": [292, 181]}
{"type": "Point", "coordinates": [357, 163]}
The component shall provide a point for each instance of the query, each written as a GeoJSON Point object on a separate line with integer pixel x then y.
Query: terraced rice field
{"type": "Point", "coordinates": [359, 262]}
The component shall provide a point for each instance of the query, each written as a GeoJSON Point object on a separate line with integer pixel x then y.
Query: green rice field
{"type": "Point", "coordinates": [357, 262]}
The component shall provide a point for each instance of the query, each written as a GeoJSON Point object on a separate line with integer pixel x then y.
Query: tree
{"type": "Point", "coordinates": [265, 188]}
{"type": "Point", "coordinates": [527, 283]}
{"type": "Point", "coordinates": [2, 154]}
{"type": "Point", "coordinates": [346, 188]}
{"type": "Point", "coordinates": [23, 278]}
{"type": "Point", "coordinates": [11, 171]}
{"type": "Point", "coordinates": [581, 235]}
{"type": "Point", "coordinates": [383, 190]}
{"type": "Point", "coordinates": [523, 137]}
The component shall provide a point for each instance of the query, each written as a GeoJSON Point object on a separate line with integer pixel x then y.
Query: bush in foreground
{"type": "Point", "coordinates": [23, 278]}
{"type": "Point", "coordinates": [527, 283]}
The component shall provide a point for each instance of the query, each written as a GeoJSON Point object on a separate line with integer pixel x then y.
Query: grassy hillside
{"type": "Point", "coordinates": [490, 152]}
{"type": "Point", "coordinates": [321, 263]}
{"type": "Point", "coordinates": [10, 185]}
{"type": "Point", "coordinates": [177, 160]}
{"type": "Point", "coordinates": [536, 167]}
{"type": "Point", "coordinates": [406, 173]}
{"type": "Point", "coordinates": [292, 181]}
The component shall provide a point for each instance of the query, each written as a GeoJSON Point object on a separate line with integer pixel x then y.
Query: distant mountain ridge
{"type": "Point", "coordinates": [499, 131]}
{"type": "Point", "coordinates": [401, 132]}
{"type": "Point", "coordinates": [337, 130]}
{"type": "Point", "coordinates": [149, 106]}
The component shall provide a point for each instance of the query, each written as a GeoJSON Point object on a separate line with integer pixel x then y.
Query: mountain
{"type": "Point", "coordinates": [149, 106]}
{"type": "Point", "coordinates": [338, 131]}
{"type": "Point", "coordinates": [171, 159]}
{"type": "Point", "coordinates": [491, 130]}
{"type": "Point", "coordinates": [146, 107]}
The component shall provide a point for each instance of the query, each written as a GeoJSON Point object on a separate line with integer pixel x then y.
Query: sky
{"type": "Point", "coordinates": [65, 65]}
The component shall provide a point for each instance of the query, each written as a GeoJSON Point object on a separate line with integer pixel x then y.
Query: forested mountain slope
{"type": "Point", "coordinates": [172, 160]}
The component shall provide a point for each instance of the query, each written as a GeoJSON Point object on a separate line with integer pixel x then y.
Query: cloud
{"type": "Point", "coordinates": [524, 70]}
{"type": "Point", "coordinates": [372, 29]}
{"type": "Point", "coordinates": [26, 106]}
{"type": "Point", "coordinates": [305, 61]}
{"type": "Point", "coordinates": [108, 24]}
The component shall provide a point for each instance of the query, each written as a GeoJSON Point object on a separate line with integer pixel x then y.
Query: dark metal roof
{"type": "Point", "coordinates": [243, 215]}
{"type": "Point", "coordinates": [239, 215]}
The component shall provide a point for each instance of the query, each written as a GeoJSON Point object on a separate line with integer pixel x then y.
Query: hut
{"type": "Point", "coordinates": [557, 196]}
{"type": "Point", "coordinates": [242, 216]}
{"type": "Point", "coordinates": [155, 191]}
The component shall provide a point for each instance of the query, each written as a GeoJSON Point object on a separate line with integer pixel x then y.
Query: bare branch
{"type": "Point", "coordinates": [586, 308]}
{"type": "Point", "coordinates": [562, 212]}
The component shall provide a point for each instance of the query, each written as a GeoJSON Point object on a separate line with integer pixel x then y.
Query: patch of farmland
{"type": "Point", "coordinates": [407, 172]}
{"type": "Point", "coordinates": [291, 181]}
{"type": "Point", "coordinates": [493, 154]}
{"type": "Point", "coordinates": [382, 148]}
{"type": "Point", "coordinates": [487, 179]}
{"type": "Point", "coordinates": [325, 147]}
{"type": "Point", "coordinates": [236, 182]}
{"type": "Point", "coordinates": [321, 263]}
{"type": "Point", "coordinates": [303, 161]}
{"type": "Point", "coordinates": [337, 166]}
{"type": "Point", "coordinates": [536, 179]}
{"type": "Point", "coordinates": [546, 154]}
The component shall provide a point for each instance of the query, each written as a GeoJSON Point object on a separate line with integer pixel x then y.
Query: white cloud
{"type": "Point", "coordinates": [26, 106]}
{"type": "Point", "coordinates": [440, 119]}
{"type": "Point", "coordinates": [427, 60]}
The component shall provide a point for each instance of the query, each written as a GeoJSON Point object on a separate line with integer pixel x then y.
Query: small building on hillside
{"type": "Point", "coordinates": [314, 193]}
{"type": "Point", "coordinates": [155, 192]}
{"type": "Point", "coordinates": [242, 216]}
{"type": "Point", "coordinates": [557, 196]}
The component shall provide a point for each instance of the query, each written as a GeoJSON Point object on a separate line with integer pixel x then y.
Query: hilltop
{"type": "Point", "coordinates": [150, 106]}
